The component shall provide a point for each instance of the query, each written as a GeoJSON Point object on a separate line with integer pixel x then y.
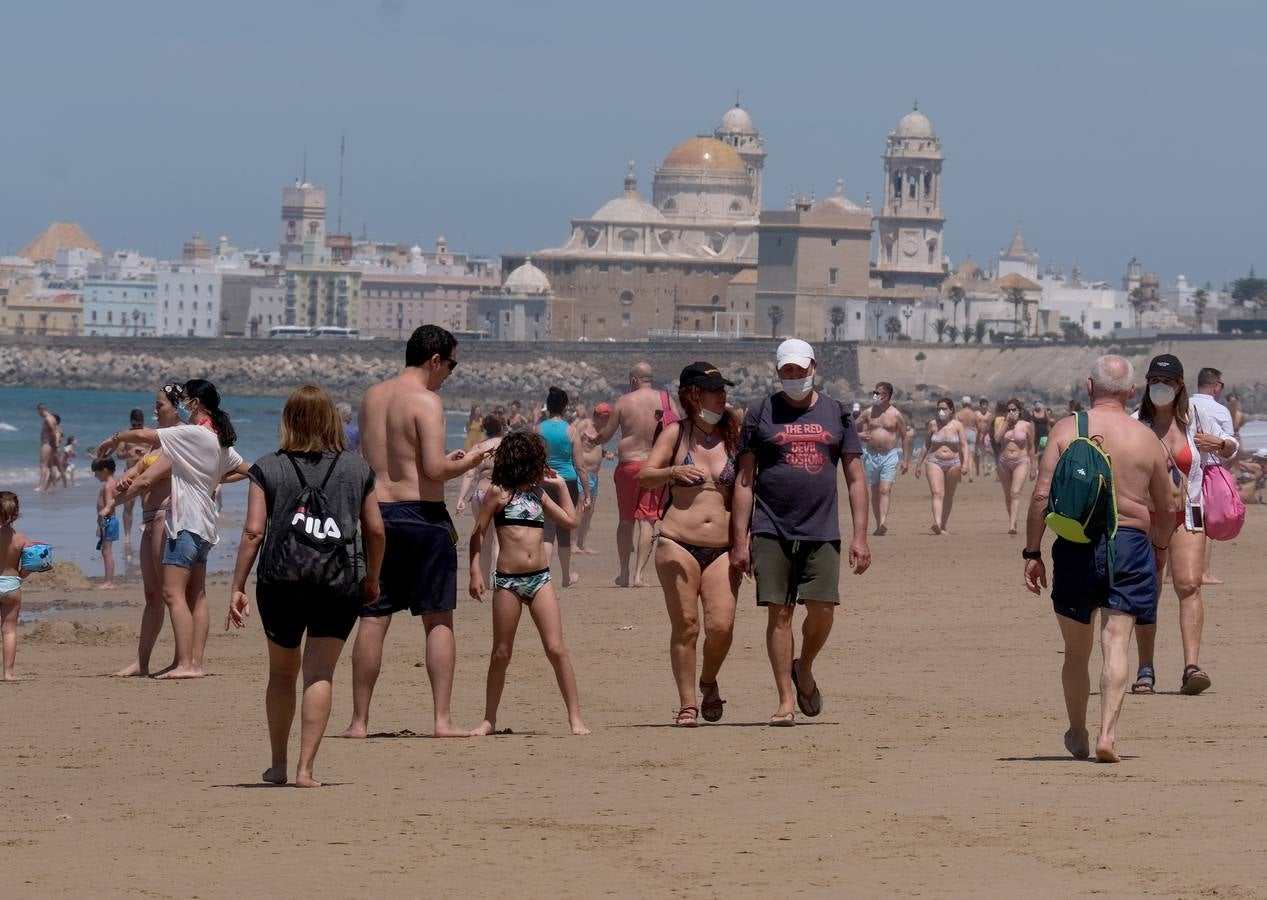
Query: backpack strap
{"type": "Point", "coordinates": [330, 471]}
{"type": "Point", "coordinates": [1083, 428]}
{"type": "Point", "coordinates": [303, 482]}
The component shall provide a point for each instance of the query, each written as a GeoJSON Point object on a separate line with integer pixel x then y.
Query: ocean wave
{"type": "Point", "coordinates": [5, 426]}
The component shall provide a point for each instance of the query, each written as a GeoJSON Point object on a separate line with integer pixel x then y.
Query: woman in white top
{"type": "Point", "coordinates": [201, 455]}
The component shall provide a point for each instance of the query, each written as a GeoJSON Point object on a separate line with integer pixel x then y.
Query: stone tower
{"type": "Point", "coordinates": [910, 222]}
{"type": "Point", "coordinates": [738, 130]}
{"type": "Point", "coordinates": [303, 218]}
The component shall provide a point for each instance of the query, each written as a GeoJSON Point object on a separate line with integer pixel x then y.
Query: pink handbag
{"type": "Point", "coordinates": [1221, 504]}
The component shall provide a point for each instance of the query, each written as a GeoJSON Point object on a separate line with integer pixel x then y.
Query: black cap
{"type": "Point", "coordinates": [1165, 366]}
{"type": "Point", "coordinates": [703, 375]}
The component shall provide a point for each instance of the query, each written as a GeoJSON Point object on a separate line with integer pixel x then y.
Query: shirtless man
{"type": "Point", "coordinates": [1080, 582]}
{"type": "Point", "coordinates": [967, 417]}
{"type": "Point", "coordinates": [635, 417]}
{"type": "Point", "coordinates": [50, 448]}
{"type": "Point", "coordinates": [402, 438]}
{"type": "Point", "coordinates": [591, 461]}
{"type": "Point", "coordinates": [886, 450]}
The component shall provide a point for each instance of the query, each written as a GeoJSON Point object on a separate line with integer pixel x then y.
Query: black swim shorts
{"type": "Point", "coordinates": [1080, 578]}
{"type": "Point", "coordinates": [420, 567]}
{"type": "Point", "coordinates": [287, 611]}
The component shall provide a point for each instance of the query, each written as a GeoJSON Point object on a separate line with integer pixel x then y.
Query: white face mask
{"type": "Point", "coordinates": [1161, 394]}
{"type": "Point", "coordinates": [943, 413]}
{"type": "Point", "coordinates": [798, 388]}
{"type": "Point", "coordinates": [708, 417]}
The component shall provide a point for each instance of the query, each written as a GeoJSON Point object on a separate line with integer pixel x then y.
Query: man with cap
{"type": "Point", "coordinates": [635, 415]}
{"type": "Point", "coordinates": [967, 417]}
{"type": "Point", "coordinates": [591, 462]}
{"type": "Point", "coordinates": [785, 525]}
{"type": "Point", "coordinates": [886, 450]}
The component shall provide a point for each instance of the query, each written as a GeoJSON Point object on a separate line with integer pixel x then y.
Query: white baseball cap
{"type": "Point", "coordinates": [966, 399]}
{"type": "Point", "coordinates": [796, 352]}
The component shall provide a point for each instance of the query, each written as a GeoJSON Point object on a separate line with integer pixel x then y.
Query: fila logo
{"type": "Point", "coordinates": [319, 530]}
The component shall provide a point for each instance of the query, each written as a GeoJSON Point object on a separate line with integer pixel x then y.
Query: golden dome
{"type": "Point", "coordinates": [705, 153]}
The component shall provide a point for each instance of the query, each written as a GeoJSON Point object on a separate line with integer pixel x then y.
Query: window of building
{"type": "Point", "coordinates": [195, 288]}
{"type": "Point", "coordinates": [195, 306]}
{"type": "Point", "coordinates": [669, 204]}
{"type": "Point", "coordinates": [628, 241]}
{"type": "Point", "coordinates": [626, 267]}
{"type": "Point", "coordinates": [602, 267]}
{"type": "Point", "coordinates": [857, 317]}
{"type": "Point", "coordinates": [736, 206]}
{"type": "Point", "coordinates": [832, 275]}
{"type": "Point", "coordinates": [626, 297]}
{"type": "Point", "coordinates": [94, 315]}
{"type": "Point", "coordinates": [778, 241]}
{"type": "Point", "coordinates": [1095, 326]}
{"type": "Point", "coordinates": [125, 295]}
{"type": "Point", "coordinates": [110, 316]}
{"type": "Point", "coordinates": [1117, 325]}
{"type": "Point", "coordinates": [715, 299]}
{"type": "Point", "coordinates": [624, 320]}
{"type": "Point", "coordinates": [835, 241]}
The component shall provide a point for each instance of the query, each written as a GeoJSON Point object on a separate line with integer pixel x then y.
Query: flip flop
{"type": "Point", "coordinates": [1144, 681]}
{"type": "Point", "coordinates": [812, 703]}
{"type": "Point", "coordinates": [711, 702]}
{"type": "Point", "coordinates": [1194, 680]}
{"type": "Point", "coordinates": [783, 720]}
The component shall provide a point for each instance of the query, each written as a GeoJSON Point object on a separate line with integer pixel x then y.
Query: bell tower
{"type": "Point", "coordinates": [909, 226]}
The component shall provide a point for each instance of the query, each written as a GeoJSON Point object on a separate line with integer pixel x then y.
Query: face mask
{"type": "Point", "coordinates": [1161, 394]}
{"type": "Point", "coordinates": [798, 388]}
{"type": "Point", "coordinates": [182, 412]}
{"type": "Point", "coordinates": [942, 413]}
{"type": "Point", "coordinates": [708, 417]}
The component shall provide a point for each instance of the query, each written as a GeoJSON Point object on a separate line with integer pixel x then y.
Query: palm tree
{"type": "Point", "coordinates": [892, 327]}
{"type": "Point", "coordinates": [951, 331]}
{"type": "Point", "coordinates": [979, 331]}
{"type": "Point", "coordinates": [776, 316]}
{"type": "Point", "coordinates": [956, 297]}
{"type": "Point", "coordinates": [1138, 303]}
{"type": "Point", "coordinates": [837, 319]}
{"type": "Point", "coordinates": [940, 326]}
{"type": "Point", "coordinates": [1200, 300]}
{"type": "Point", "coordinates": [1016, 297]}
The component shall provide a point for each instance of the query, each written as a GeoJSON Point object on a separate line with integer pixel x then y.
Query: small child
{"type": "Point", "coordinates": [107, 521]}
{"type": "Point", "coordinates": [11, 544]}
{"type": "Point", "coordinates": [517, 506]}
{"type": "Point", "coordinates": [68, 460]}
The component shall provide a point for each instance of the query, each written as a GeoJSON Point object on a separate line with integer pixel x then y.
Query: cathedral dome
{"type": "Point", "coordinates": [527, 279]}
{"type": "Point", "coordinates": [737, 121]}
{"type": "Point", "coordinates": [914, 125]}
{"type": "Point", "coordinates": [706, 154]}
{"type": "Point", "coordinates": [627, 208]}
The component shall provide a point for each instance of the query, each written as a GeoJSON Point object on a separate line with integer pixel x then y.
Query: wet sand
{"type": "Point", "coordinates": [936, 768]}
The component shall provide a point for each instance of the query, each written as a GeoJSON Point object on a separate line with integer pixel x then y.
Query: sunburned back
{"type": "Point", "coordinates": [967, 418]}
{"type": "Point", "coordinates": [392, 416]}
{"type": "Point", "coordinates": [591, 455]}
{"type": "Point", "coordinates": [636, 412]}
{"type": "Point", "coordinates": [1140, 471]}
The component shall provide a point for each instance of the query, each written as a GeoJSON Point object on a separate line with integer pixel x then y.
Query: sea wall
{"type": "Point", "coordinates": [502, 371]}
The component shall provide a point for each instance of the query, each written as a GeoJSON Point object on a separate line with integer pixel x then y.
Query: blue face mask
{"type": "Point", "coordinates": [182, 412]}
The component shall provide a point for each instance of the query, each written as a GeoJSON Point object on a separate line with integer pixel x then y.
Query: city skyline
{"type": "Point", "coordinates": [1102, 130]}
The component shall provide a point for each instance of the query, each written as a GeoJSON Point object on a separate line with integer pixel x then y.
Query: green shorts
{"type": "Point", "coordinates": [791, 572]}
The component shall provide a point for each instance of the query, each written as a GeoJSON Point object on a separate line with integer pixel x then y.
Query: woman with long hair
{"type": "Point", "coordinates": [201, 454]}
{"type": "Point", "coordinates": [474, 428]}
{"type": "Point", "coordinates": [1015, 459]}
{"type": "Point", "coordinates": [696, 458]}
{"type": "Point", "coordinates": [518, 506]}
{"type": "Point", "coordinates": [1168, 410]}
{"type": "Point", "coordinates": [475, 484]}
{"type": "Point", "coordinates": [321, 597]}
{"type": "Point", "coordinates": [944, 460]}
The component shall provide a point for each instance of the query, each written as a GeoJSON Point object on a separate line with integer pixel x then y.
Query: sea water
{"type": "Point", "coordinates": [67, 518]}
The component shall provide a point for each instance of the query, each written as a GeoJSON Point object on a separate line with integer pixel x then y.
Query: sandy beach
{"type": "Point", "coordinates": [936, 769]}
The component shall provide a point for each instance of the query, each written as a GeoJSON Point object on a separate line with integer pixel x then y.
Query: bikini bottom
{"type": "Point", "coordinates": [1010, 465]}
{"type": "Point", "coordinates": [524, 585]}
{"type": "Point", "coordinates": [945, 464]}
{"type": "Point", "coordinates": [704, 556]}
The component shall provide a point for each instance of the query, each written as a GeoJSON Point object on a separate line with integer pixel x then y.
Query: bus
{"type": "Point", "coordinates": [332, 331]}
{"type": "Point", "coordinates": [289, 331]}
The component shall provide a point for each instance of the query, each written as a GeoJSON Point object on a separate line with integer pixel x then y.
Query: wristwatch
{"type": "Point", "coordinates": [1031, 554]}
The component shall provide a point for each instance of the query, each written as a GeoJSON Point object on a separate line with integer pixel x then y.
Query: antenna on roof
{"type": "Point", "coordinates": [915, 107]}
{"type": "Point", "coordinates": [338, 228]}
{"type": "Point", "coordinates": [303, 179]}
{"type": "Point", "coordinates": [736, 96]}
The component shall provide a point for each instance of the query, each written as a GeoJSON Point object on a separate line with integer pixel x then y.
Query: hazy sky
{"type": "Point", "coordinates": [1108, 128]}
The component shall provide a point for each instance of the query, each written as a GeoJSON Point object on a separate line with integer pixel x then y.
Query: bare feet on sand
{"type": "Point", "coordinates": [621, 581]}
{"type": "Point", "coordinates": [1105, 753]}
{"type": "Point", "coordinates": [305, 780]}
{"type": "Point", "coordinates": [9, 677]}
{"type": "Point", "coordinates": [574, 580]}
{"type": "Point", "coordinates": [355, 731]}
{"type": "Point", "coordinates": [485, 729]}
{"type": "Point", "coordinates": [1079, 746]}
{"type": "Point", "coordinates": [180, 672]}
{"type": "Point", "coordinates": [638, 583]}
{"type": "Point", "coordinates": [578, 727]}
{"type": "Point", "coordinates": [274, 775]}
{"type": "Point", "coordinates": [447, 730]}
{"type": "Point", "coordinates": [881, 530]}
{"type": "Point", "coordinates": [106, 586]}
{"type": "Point", "coordinates": [1210, 579]}
{"type": "Point", "coordinates": [936, 528]}
{"type": "Point", "coordinates": [132, 671]}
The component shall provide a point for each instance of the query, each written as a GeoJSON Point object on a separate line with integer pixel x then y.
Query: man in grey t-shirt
{"type": "Point", "coordinates": [785, 519]}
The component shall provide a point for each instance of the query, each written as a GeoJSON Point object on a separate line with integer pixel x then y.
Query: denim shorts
{"type": "Point", "coordinates": [186, 550]}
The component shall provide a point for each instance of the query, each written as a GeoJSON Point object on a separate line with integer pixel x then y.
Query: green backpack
{"type": "Point", "coordinates": [1082, 505]}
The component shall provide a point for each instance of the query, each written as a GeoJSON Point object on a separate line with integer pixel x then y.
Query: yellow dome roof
{"type": "Point", "coordinates": [705, 153]}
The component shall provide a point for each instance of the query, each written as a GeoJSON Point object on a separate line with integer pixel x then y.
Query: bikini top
{"type": "Point", "coordinates": [725, 478]}
{"type": "Point", "coordinates": [1183, 459]}
{"type": "Point", "coordinates": [1017, 436]}
{"type": "Point", "coordinates": [148, 460]}
{"type": "Point", "coordinates": [938, 441]}
{"type": "Point", "coordinates": [524, 509]}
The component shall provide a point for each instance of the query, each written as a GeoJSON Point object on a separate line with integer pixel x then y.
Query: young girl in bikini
{"type": "Point", "coordinates": [517, 506]}
{"type": "Point", "coordinates": [11, 543]}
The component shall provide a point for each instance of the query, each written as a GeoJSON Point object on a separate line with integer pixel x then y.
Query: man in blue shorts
{"type": "Point", "coordinates": [886, 450]}
{"type": "Point", "coordinates": [1081, 579]}
{"type": "Point", "coordinates": [785, 522]}
{"type": "Point", "coordinates": [402, 438]}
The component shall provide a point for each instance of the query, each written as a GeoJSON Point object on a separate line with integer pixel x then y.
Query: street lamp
{"type": "Point", "coordinates": [907, 312]}
{"type": "Point", "coordinates": [585, 318]}
{"type": "Point", "coordinates": [877, 312]}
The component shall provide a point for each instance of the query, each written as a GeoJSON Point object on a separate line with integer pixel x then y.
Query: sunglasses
{"type": "Point", "coordinates": [174, 391]}
{"type": "Point", "coordinates": [453, 363]}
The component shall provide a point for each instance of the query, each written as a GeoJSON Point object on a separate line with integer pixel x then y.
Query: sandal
{"type": "Point", "coordinates": [711, 702]}
{"type": "Point", "coordinates": [812, 703]}
{"type": "Point", "coordinates": [687, 717]}
{"type": "Point", "coordinates": [1144, 681]}
{"type": "Point", "coordinates": [782, 720]}
{"type": "Point", "coordinates": [1194, 680]}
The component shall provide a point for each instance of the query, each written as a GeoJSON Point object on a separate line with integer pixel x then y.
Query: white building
{"type": "Point", "coordinates": [519, 310]}
{"type": "Point", "coordinates": [73, 262]}
{"type": "Point", "coordinates": [124, 307]}
{"type": "Point", "coordinates": [188, 300]}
